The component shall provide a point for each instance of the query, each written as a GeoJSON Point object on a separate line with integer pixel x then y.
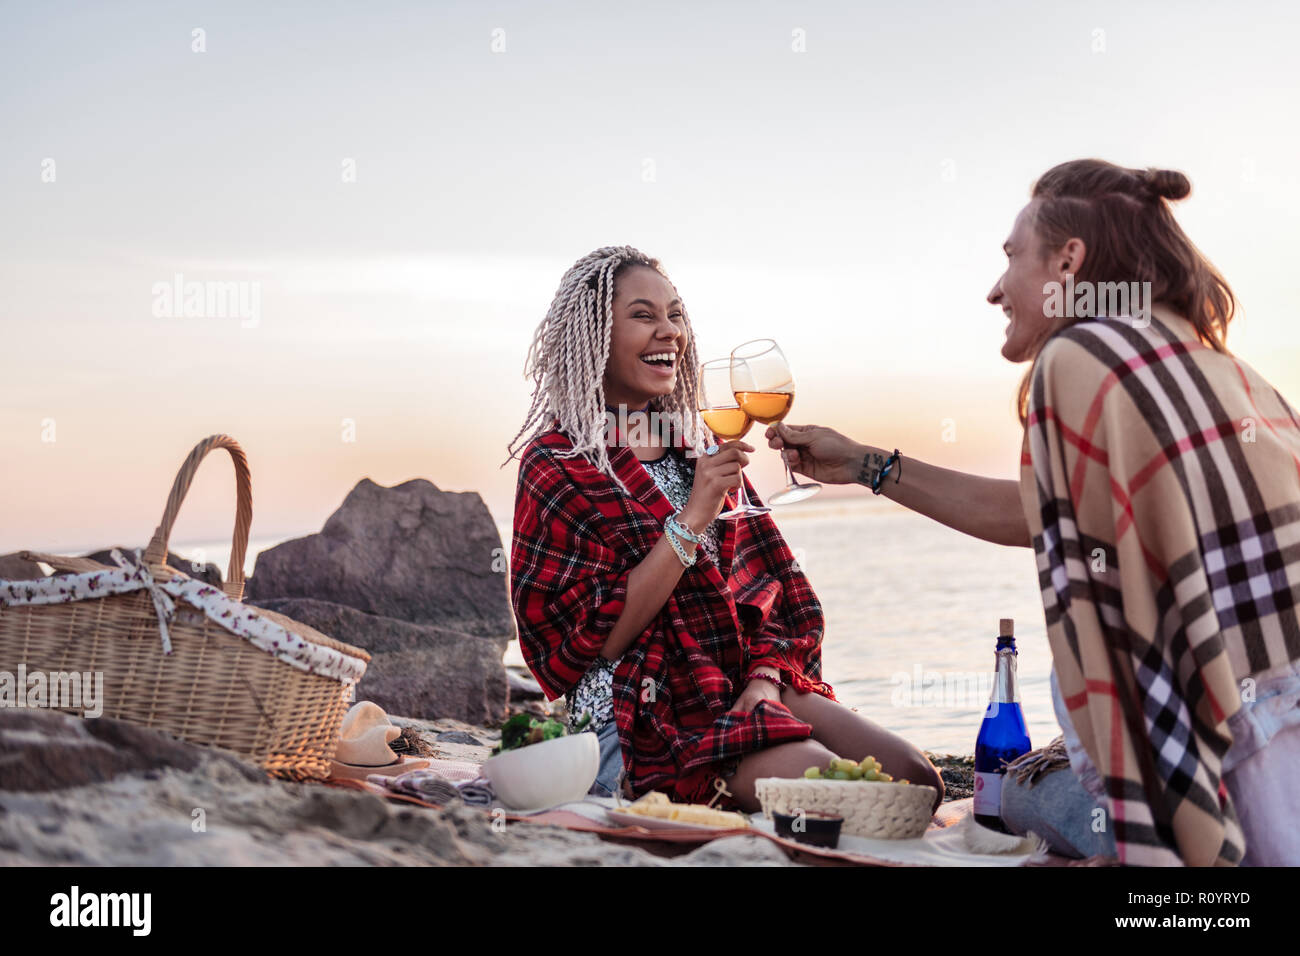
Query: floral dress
{"type": "Point", "coordinates": [594, 693]}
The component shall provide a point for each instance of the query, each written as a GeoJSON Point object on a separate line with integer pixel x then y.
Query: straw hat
{"type": "Point", "coordinates": [363, 745]}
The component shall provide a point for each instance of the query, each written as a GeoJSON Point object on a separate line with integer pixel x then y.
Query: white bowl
{"type": "Point", "coordinates": [545, 774]}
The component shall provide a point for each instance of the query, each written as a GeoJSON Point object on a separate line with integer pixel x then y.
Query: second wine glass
{"type": "Point", "coordinates": [764, 387]}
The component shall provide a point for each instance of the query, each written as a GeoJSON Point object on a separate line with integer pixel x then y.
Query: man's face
{"type": "Point", "coordinates": [1020, 290]}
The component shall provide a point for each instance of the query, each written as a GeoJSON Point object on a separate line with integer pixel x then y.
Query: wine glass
{"type": "Point", "coordinates": [764, 387]}
{"type": "Point", "coordinates": [723, 416]}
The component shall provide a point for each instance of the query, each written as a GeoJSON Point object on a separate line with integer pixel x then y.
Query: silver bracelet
{"type": "Point", "coordinates": [687, 560]}
{"type": "Point", "coordinates": [681, 529]}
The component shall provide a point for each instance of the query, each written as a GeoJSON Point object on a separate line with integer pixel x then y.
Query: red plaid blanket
{"type": "Point", "coordinates": [576, 538]}
{"type": "Point", "coordinates": [1161, 480]}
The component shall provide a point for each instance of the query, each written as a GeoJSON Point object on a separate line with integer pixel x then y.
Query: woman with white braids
{"type": "Point", "coordinates": [691, 645]}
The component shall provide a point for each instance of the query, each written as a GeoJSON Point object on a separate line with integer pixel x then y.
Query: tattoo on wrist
{"type": "Point", "coordinates": [872, 462]}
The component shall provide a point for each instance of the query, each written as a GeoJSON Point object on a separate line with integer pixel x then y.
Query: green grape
{"type": "Point", "coordinates": [813, 773]}
{"type": "Point", "coordinates": [854, 772]}
{"type": "Point", "coordinates": [838, 775]}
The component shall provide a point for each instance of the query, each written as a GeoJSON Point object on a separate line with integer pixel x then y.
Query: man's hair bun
{"type": "Point", "coordinates": [1167, 183]}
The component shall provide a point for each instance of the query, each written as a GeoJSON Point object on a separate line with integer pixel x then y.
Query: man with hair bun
{"type": "Point", "coordinates": [1160, 490]}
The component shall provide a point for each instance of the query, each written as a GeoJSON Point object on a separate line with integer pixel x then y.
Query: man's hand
{"type": "Point", "coordinates": [821, 453]}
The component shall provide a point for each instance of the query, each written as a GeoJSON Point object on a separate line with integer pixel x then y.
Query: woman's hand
{"type": "Point", "coordinates": [821, 453]}
{"type": "Point", "coordinates": [715, 475]}
{"type": "Point", "coordinates": [755, 691]}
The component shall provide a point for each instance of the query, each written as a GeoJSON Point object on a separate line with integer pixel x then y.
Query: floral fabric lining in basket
{"type": "Point", "coordinates": [134, 575]}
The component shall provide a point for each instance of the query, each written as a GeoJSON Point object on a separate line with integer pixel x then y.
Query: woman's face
{"type": "Point", "coordinates": [1021, 291]}
{"type": "Point", "coordinates": [649, 323]}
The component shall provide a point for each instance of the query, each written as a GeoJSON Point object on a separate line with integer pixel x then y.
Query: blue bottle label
{"type": "Point", "coordinates": [988, 794]}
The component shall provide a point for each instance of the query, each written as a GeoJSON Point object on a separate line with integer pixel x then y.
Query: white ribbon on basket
{"type": "Point", "coordinates": [162, 601]}
{"type": "Point", "coordinates": [233, 616]}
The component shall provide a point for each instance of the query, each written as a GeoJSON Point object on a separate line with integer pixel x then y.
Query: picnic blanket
{"type": "Point", "coordinates": [953, 838]}
{"type": "Point", "coordinates": [1161, 482]}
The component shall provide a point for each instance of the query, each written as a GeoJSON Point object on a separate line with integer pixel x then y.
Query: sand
{"type": "Point", "coordinates": [218, 812]}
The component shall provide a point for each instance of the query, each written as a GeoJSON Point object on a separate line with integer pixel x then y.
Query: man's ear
{"type": "Point", "coordinates": [1072, 255]}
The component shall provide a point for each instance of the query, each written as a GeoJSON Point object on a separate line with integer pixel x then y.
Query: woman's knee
{"type": "Point", "coordinates": [920, 770]}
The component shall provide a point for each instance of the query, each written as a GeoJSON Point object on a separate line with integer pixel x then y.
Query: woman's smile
{"type": "Point", "coordinates": [662, 362]}
{"type": "Point", "coordinates": [647, 340]}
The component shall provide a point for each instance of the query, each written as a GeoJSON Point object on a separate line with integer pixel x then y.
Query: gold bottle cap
{"type": "Point", "coordinates": [1006, 627]}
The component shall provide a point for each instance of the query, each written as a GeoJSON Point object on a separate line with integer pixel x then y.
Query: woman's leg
{"type": "Point", "coordinates": [783, 760]}
{"type": "Point", "coordinates": [837, 732]}
{"type": "Point", "coordinates": [848, 734]}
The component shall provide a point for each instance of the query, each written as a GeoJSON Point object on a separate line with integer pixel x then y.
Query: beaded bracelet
{"type": "Point", "coordinates": [890, 462]}
{"type": "Point", "coordinates": [767, 677]}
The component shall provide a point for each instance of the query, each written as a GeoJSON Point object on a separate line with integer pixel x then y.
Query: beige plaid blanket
{"type": "Point", "coordinates": [1161, 480]}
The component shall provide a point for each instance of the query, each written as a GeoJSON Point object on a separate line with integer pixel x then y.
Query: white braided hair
{"type": "Point", "coordinates": [570, 350]}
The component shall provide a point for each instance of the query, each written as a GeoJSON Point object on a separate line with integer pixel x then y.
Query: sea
{"type": "Point", "coordinates": [912, 611]}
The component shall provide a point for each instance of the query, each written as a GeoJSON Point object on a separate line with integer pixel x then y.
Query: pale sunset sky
{"type": "Point", "coordinates": [406, 184]}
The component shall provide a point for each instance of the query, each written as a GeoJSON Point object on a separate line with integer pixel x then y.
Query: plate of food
{"type": "Point", "coordinates": [655, 811]}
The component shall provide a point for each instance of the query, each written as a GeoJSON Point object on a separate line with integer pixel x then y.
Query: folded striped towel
{"type": "Point", "coordinates": [434, 786]}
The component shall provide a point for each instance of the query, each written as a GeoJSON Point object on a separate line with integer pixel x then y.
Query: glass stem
{"type": "Point", "coordinates": [742, 497]}
{"type": "Point", "coordinates": [789, 475]}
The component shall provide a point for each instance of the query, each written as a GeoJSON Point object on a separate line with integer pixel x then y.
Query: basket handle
{"type": "Point", "coordinates": [156, 554]}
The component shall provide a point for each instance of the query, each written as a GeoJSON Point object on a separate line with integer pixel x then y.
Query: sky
{"type": "Point", "coordinates": [398, 189]}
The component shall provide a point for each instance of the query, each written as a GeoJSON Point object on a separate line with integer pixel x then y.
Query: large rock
{"type": "Point", "coordinates": [416, 670]}
{"type": "Point", "coordinates": [416, 577]}
{"type": "Point", "coordinates": [409, 552]}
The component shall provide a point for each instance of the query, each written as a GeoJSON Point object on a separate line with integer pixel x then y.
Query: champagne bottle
{"type": "Point", "coordinates": [1002, 737]}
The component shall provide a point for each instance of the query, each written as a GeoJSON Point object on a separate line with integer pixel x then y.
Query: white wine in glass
{"type": "Point", "coordinates": [764, 388]}
{"type": "Point", "coordinates": [725, 418]}
{"type": "Point", "coordinates": [727, 423]}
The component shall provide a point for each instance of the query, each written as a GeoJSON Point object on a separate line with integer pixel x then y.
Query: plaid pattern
{"type": "Point", "coordinates": [577, 537]}
{"type": "Point", "coordinates": [1161, 480]}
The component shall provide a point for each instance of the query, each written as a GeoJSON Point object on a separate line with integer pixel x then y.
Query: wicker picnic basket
{"type": "Point", "coordinates": [182, 656]}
